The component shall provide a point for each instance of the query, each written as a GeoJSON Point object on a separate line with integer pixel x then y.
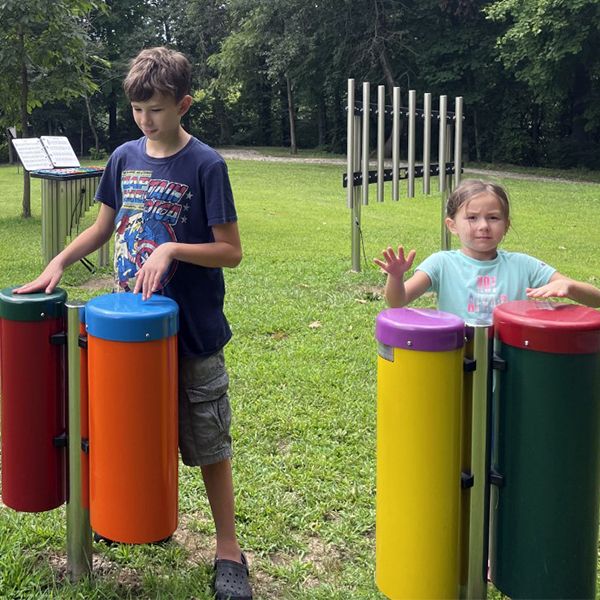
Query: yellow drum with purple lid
{"type": "Point", "coordinates": [419, 391]}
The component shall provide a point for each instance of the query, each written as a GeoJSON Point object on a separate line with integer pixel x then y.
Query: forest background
{"type": "Point", "coordinates": [274, 72]}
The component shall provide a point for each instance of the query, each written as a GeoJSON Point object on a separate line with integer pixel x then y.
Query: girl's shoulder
{"type": "Point", "coordinates": [515, 257]}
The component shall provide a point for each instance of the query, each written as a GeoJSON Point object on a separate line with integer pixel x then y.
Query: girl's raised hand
{"type": "Point", "coordinates": [394, 264]}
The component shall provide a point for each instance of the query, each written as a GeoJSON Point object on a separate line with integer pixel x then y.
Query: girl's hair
{"type": "Point", "coordinates": [158, 70]}
{"type": "Point", "coordinates": [469, 188]}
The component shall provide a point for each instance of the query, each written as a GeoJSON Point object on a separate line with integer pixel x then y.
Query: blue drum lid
{"type": "Point", "coordinates": [125, 317]}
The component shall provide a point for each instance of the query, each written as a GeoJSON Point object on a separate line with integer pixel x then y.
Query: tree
{"type": "Point", "coordinates": [552, 46]}
{"type": "Point", "coordinates": [43, 56]}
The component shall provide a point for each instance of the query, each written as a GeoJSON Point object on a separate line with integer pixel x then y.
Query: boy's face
{"type": "Point", "coordinates": [160, 117]}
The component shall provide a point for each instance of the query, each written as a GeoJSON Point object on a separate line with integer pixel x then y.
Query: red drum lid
{"type": "Point", "coordinates": [548, 326]}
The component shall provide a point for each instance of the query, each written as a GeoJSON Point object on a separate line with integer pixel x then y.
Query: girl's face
{"type": "Point", "coordinates": [480, 224]}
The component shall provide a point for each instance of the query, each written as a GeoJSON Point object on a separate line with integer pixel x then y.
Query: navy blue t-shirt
{"type": "Point", "coordinates": [173, 199]}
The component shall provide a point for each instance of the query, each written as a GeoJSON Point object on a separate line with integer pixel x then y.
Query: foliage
{"type": "Point", "coordinates": [49, 41]}
{"type": "Point", "coordinates": [529, 72]}
{"type": "Point", "coordinates": [552, 46]}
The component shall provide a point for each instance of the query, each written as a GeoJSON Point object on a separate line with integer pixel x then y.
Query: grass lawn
{"type": "Point", "coordinates": [303, 370]}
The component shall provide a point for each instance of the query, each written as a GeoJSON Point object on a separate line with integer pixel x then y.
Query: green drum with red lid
{"type": "Point", "coordinates": [546, 450]}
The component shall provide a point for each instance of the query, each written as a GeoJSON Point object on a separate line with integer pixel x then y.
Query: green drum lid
{"type": "Point", "coordinates": [31, 307]}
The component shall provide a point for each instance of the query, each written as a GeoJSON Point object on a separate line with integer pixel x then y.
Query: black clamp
{"type": "Point", "coordinates": [498, 363]}
{"type": "Point", "coordinates": [58, 339]}
{"type": "Point", "coordinates": [467, 480]}
{"type": "Point", "coordinates": [85, 445]}
{"type": "Point", "coordinates": [496, 479]}
{"type": "Point", "coordinates": [469, 365]}
{"type": "Point", "coordinates": [60, 441]}
{"type": "Point", "coordinates": [82, 341]}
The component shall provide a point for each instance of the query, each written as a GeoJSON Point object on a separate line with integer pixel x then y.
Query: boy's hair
{"type": "Point", "coordinates": [158, 70]}
{"type": "Point", "coordinates": [469, 188]}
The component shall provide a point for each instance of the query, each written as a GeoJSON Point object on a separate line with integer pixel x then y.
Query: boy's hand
{"type": "Point", "coordinates": [156, 265]}
{"type": "Point", "coordinates": [395, 265]}
{"type": "Point", "coordinates": [46, 282]}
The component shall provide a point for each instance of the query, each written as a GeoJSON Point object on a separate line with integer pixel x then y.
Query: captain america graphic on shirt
{"type": "Point", "coordinates": [151, 208]}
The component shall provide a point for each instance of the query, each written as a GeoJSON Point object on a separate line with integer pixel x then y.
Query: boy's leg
{"type": "Point", "coordinates": [219, 489]}
{"type": "Point", "coordinates": [204, 440]}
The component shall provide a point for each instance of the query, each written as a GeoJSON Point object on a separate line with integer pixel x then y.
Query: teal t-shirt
{"type": "Point", "coordinates": [471, 288]}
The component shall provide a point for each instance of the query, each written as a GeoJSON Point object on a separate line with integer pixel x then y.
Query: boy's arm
{"type": "Point", "coordinates": [86, 242]}
{"type": "Point", "coordinates": [560, 286]}
{"type": "Point", "coordinates": [225, 251]}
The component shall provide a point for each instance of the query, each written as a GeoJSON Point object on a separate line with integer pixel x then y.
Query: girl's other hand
{"type": "Point", "coordinates": [554, 289]}
{"type": "Point", "coordinates": [395, 265]}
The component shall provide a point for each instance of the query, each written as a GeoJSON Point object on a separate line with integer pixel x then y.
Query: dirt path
{"type": "Point", "coordinates": [244, 154]}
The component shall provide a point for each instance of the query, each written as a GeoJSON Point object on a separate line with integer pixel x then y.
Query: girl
{"type": "Point", "coordinates": [471, 281]}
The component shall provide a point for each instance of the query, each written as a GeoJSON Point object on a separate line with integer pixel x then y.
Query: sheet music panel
{"type": "Point", "coordinates": [32, 153]}
{"type": "Point", "coordinates": [59, 150]}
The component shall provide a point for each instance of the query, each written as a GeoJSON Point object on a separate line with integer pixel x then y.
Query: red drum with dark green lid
{"type": "Point", "coordinates": [546, 455]}
{"type": "Point", "coordinates": [32, 372]}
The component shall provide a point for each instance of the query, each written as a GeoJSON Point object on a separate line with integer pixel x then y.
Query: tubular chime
{"type": "Point", "coordinates": [361, 112]}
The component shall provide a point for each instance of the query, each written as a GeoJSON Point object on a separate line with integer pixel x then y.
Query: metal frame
{"type": "Point", "coordinates": [358, 176]}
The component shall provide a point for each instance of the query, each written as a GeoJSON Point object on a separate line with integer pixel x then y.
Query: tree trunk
{"type": "Point", "coordinates": [26, 211]}
{"type": "Point", "coordinates": [284, 122]}
{"type": "Point", "coordinates": [11, 156]}
{"type": "Point", "coordinates": [476, 134]}
{"type": "Point", "coordinates": [112, 120]}
{"type": "Point", "coordinates": [265, 116]}
{"type": "Point", "coordinates": [223, 121]}
{"type": "Point", "coordinates": [88, 108]}
{"type": "Point", "coordinates": [321, 121]}
{"type": "Point", "coordinates": [292, 115]}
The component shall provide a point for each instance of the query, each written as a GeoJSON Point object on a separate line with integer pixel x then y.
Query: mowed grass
{"type": "Point", "coordinates": [303, 368]}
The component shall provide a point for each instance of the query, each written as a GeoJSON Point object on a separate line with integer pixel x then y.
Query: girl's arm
{"type": "Point", "coordinates": [399, 293]}
{"type": "Point", "coordinates": [561, 286]}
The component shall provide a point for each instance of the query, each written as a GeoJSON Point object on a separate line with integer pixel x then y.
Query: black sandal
{"type": "Point", "coordinates": [231, 580]}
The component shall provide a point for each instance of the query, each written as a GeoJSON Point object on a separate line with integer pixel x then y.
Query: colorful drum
{"type": "Point", "coordinates": [132, 377]}
{"type": "Point", "coordinates": [419, 395]}
{"type": "Point", "coordinates": [546, 455]}
{"type": "Point", "coordinates": [32, 370]}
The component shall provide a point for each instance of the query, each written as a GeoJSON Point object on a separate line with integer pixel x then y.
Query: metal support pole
{"type": "Point", "coordinates": [396, 144]}
{"type": "Point", "coordinates": [350, 144]}
{"type": "Point", "coordinates": [442, 142]}
{"type": "Point", "coordinates": [458, 115]}
{"type": "Point", "coordinates": [355, 212]}
{"type": "Point", "coordinates": [79, 534]}
{"type": "Point", "coordinates": [448, 186]}
{"type": "Point", "coordinates": [104, 255]}
{"type": "Point", "coordinates": [380, 141]}
{"type": "Point", "coordinates": [412, 113]}
{"type": "Point", "coordinates": [366, 93]}
{"type": "Point", "coordinates": [442, 157]}
{"type": "Point", "coordinates": [426, 142]}
{"type": "Point", "coordinates": [476, 500]}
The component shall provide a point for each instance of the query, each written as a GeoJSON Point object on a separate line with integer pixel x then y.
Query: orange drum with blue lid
{"type": "Point", "coordinates": [132, 374]}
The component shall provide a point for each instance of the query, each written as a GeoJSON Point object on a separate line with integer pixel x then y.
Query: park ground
{"type": "Point", "coordinates": [303, 368]}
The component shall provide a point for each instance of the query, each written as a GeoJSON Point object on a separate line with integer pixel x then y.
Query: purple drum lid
{"type": "Point", "coordinates": [420, 329]}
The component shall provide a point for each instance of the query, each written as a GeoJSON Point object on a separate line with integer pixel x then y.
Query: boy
{"type": "Point", "coordinates": [167, 197]}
